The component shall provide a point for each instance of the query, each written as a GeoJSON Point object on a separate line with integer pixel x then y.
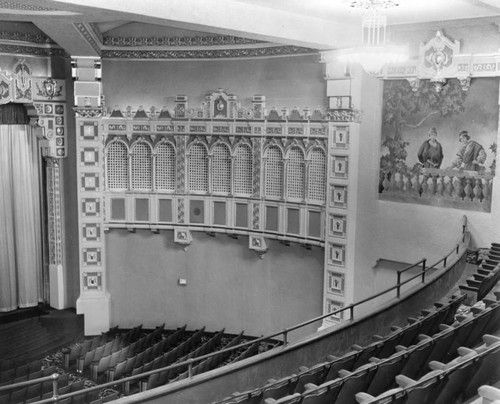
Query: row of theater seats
{"type": "Point", "coordinates": [44, 390]}
{"type": "Point", "coordinates": [114, 355]}
{"type": "Point", "coordinates": [446, 383]}
{"type": "Point", "coordinates": [213, 362]}
{"type": "Point", "coordinates": [103, 358]}
{"type": "Point", "coordinates": [107, 342]}
{"type": "Point", "coordinates": [149, 362]}
{"type": "Point", "coordinates": [373, 368]}
{"type": "Point", "coordinates": [126, 366]}
{"type": "Point", "coordinates": [11, 372]}
{"type": "Point", "coordinates": [486, 276]}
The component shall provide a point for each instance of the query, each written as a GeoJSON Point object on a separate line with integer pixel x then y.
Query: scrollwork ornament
{"type": "Point", "coordinates": [414, 83]}
{"type": "Point", "coordinates": [464, 83]}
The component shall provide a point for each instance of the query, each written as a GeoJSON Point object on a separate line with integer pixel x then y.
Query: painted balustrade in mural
{"type": "Point", "coordinates": [448, 188]}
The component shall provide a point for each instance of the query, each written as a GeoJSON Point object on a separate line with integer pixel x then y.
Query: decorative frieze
{"type": "Point", "coordinates": [212, 40]}
{"type": "Point", "coordinates": [251, 52]}
{"type": "Point", "coordinates": [221, 105]}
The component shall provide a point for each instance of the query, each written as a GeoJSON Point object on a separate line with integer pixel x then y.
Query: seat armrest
{"type": "Point", "coordinates": [404, 381]}
{"type": "Point", "coordinates": [436, 365]}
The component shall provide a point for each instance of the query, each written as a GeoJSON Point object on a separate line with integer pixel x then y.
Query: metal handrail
{"type": "Point", "coordinates": [284, 333]}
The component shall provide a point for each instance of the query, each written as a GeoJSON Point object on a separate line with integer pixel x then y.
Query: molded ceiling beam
{"type": "Point", "coordinates": [229, 17]}
{"type": "Point", "coordinates": [75, 39]}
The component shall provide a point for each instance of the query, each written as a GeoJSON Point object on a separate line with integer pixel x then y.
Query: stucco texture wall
{"type": "Point", "coordinates": [228, 285]}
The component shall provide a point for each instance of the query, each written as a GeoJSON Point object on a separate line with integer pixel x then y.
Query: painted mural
{"type": "Point", "coordinates": [438, 143]}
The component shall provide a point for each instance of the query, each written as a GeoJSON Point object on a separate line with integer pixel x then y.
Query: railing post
{"type": "Point", "coordinates": [351, 311]}
{"type": "Point", "coordinates": [190, 368]}
{"type": "Point", "coordinates": [423, 269]}
{"type": "Point", "coordinates": [458, 247]}
{"type": "Point", "coordinates": [444, 261]}
{"type": "Point", "coordinates": [285, 337]}
{"type": "Point", "coordinates": [398, 290]}
{"type": "Point", "coordinates": [55, 390]}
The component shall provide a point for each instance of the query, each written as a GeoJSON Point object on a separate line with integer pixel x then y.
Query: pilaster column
{"type": "Point", "coordinates": [55, 227]}
{"type": "Point", "coordinates": [94, 300]}
{"type": "Point", "coordinates": [341, 205]}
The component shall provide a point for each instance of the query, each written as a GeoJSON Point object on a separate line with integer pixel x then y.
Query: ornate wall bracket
{"type": "Point", "coordinates": [183, 237]}
{"type": "Point", "coordinates": [258, 244]}
{"type": "Point", "coordinates": [44, 99]}
{"type": "Point", "coordinates": [439, 60]}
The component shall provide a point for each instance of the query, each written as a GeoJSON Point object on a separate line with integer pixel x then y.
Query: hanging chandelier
{"type": "Point", "coordinates": [374, 51]}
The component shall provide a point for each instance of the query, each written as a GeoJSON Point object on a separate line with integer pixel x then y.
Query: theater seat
{"type": "Point", "coordinates": [365, 398]}
{"type": "Point", "coordinates": [290, 399]}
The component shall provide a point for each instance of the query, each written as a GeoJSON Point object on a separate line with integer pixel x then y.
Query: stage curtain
{"type": "Point", "coordinates": [20, 220]}
{"type": "Point", "coordinates": [13, 114]}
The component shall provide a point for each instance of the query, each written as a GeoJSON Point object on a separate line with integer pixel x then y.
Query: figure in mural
{"type": "Point", "coordinates": [430, 153]}
{"type": "Point", "coordinates": [471, 155]}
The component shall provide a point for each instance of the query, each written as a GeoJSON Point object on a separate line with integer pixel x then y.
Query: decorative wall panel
{"type": "Point", "coordinates": [215, 167]}
{"type": "Point", "coordinates": [243, 170]}
{"type": "Point", "coordinates": [273, 181]}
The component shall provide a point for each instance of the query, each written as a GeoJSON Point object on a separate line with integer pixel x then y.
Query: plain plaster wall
{"type": "Point", "coordinates": [228, 285]}
{"type": "Point", "coordinates": [295, 81]}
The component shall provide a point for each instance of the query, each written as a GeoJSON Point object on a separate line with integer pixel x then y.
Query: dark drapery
{"type": "Point", "coordinates": [13, 114]}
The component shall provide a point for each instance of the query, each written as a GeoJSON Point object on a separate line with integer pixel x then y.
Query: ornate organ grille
{"type": "Point", "coordinates": [243, 169]}
{"type": "Point", "coordinates": [274, 173]}
{"type": "Point", "coordinates": [141, 166]}
{"type": "Point", "coordinates": [295, 180]}
{"type": "Point", "coordinates": [317, 176]}
{"type": "Point", "coordinates": [117, 166]}
{"type": "Point", "coordinates": [198, 168]}
{"type": "Point", "coordinates": [165, 167]}
{"type": "Point", "coordinates": [223, 181]}
{"type": "Point", "coordinates": [221, 169]}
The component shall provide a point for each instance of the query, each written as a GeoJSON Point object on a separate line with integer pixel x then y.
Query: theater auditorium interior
{"type": "Point", "coordinates": [249, 201]}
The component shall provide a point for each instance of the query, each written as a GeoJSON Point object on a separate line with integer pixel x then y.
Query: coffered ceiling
{"type": "Point", "coordinates": [91, 27]}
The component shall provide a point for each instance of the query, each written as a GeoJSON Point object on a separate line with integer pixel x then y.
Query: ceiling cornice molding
{"type": "Point", "coordinates": [88, 32]}
{"type": "Point", "coordinates": [31, 50]}
{"type": "Point", "coordinates": [185, 41]}
{"type": "Point", "coordinates": [207, 54]}
{"type": "Point", "coordinates": [26, 37]}
{"type": "Point", "coordinates": [10, 5]}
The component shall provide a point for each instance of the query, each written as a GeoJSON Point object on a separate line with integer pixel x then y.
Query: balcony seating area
{"type": "Point", "coordinates": [486, 276]}
{"type": "Point", "coordinates": [445, 352]}
{"type": "Point", "coordinates": [409, 353]}
{"type": "Point", "coordinates": [445, 383]}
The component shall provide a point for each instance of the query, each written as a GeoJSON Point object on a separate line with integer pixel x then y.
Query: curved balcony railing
{"type": "Point", "coordinates": [461, 246]}
{"type": "Point", "coordinates": [460, 189]}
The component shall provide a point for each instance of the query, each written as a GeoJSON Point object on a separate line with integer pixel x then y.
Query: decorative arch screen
{"type": "Point", "coordinates": [141, 166]}
{"type": "Point", "coordinates": [295, 180]}
{"type": "Point", "coordinates": [117, 166]}
{"type": "Point", "coordinates": [198, 168]}
{"type": "Point", "coordinates": [221, 169]}
{"type": "Point", "coordinates": [243, 169]}
{"type": "Point", "coordinates": [317, 176]}
{"type": "Point", "coordinates": [274, 173]}
{"type": "Point", "coordinates": [165, 167]}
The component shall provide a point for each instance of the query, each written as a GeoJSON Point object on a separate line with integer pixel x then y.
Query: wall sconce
{"type": "Point", "coordinates": [257, 244]}
{"type": "Point", "coordinates": [439, 83]}
{"type": "Point", "coordinates": [183, 237]}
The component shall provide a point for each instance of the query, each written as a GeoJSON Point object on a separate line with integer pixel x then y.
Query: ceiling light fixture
{"type": "Point", "coordinates": [374, 51]}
